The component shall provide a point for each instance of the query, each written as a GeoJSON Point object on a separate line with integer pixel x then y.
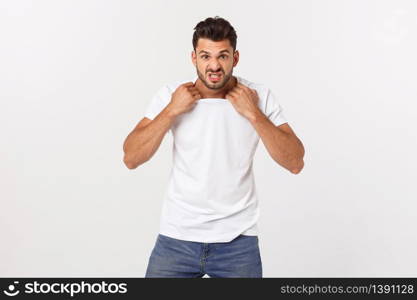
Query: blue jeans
{"type": "Point", "coordinates": [172, 257]}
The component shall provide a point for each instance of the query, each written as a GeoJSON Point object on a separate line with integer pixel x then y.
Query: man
{"type": "Point", "coordinates": [210, 211]}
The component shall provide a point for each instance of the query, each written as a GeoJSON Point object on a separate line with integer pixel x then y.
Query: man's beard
{"type": "Point", "coordinates": [217, 85]}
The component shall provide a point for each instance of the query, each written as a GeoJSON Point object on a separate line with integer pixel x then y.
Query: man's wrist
{"type": "Point", "coordinates": [257, 117]}
{"type": "Point", "coordinates": [170, 112]}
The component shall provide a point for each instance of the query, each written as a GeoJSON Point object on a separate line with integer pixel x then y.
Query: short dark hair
{"type": "Point", "coordinates": [215, 29]}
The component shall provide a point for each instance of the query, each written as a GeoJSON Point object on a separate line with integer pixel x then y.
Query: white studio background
{"type": "Point", "coordinates": [76, 76]}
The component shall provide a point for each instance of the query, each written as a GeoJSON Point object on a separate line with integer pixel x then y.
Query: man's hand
{"type": "Point", "coordinates": [184, 98]}
{"type": "Point", "coordinates": [245, 101]}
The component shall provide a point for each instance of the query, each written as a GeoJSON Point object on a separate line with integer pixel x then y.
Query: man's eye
{"type": "Point", "coordinates": [204, 56]}
{"type": "Point", "coordinates": [224, 56]}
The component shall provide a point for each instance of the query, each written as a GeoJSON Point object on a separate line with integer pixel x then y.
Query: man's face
{"type": "Point", "coordinates": [214, 62]}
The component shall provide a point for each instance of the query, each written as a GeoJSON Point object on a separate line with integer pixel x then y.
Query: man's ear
{"type": "Point", "coordinates": [193, 58]}
{"type": "Point", "coordinates": [235, 58]}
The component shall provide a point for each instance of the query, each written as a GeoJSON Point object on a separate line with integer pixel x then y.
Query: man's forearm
{"type": "Point", "coordinates": [142, 143]}
{"type": "Point", "coordinates": [287, 150]}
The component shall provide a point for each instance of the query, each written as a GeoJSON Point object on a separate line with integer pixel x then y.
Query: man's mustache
{"type": "Point", "coordinates": [211, 71]}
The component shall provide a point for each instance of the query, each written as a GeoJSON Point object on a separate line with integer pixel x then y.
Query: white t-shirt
{"type": "Point", "coordinates": [211, 195]}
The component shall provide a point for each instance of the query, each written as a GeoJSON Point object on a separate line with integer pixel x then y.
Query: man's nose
{"type": "Point", "coordinates": [214, 65]}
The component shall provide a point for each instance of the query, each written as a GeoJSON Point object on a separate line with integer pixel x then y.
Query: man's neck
{"type": "Point", "coordinates": [205, 92]}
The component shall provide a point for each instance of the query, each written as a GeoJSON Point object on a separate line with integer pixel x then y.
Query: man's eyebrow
{"type": "Point", "coordinates": [225, 50]}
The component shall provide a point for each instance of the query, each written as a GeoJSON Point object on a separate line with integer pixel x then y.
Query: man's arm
{"type": "Point", "coordinates": [281, 142]}
{"type": "Point", "coordinates": [141, 144]}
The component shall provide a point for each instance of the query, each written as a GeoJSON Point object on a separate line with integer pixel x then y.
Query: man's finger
{"type": "Point", "coordinates": [195, 94]}
{"type": "Point", "coordinates": [237, 88]}
{"type": "Point", "coordinates": [244, 87]}
{"type": "Point", "coordinates": [241, 85]}
{"type": "Point", "coordinates": [233, 93]}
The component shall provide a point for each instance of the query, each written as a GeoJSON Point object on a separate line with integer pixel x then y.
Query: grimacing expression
{"type": "Point", "coordinates": [214, 62]}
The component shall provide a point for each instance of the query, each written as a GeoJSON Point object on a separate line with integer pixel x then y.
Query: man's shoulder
{"type": "Point", "coordinates": [165, 91]}
{"type": "Point", "coordinates": [260, 88]}
{"type": "Point", "coordinates": [172, 85]}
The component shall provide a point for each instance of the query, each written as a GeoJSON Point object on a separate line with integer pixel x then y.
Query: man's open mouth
{"type": "Point", "coordinates": [215, 76]}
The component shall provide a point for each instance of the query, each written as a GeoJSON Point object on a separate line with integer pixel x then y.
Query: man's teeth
{"type": "Point", "coordinates": [214, 75]}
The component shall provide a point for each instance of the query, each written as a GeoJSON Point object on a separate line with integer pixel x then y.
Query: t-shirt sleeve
{"type": "Point", "coordinates": [274, 110]}
{"type": "Point", "coordinates": [158, 102]}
